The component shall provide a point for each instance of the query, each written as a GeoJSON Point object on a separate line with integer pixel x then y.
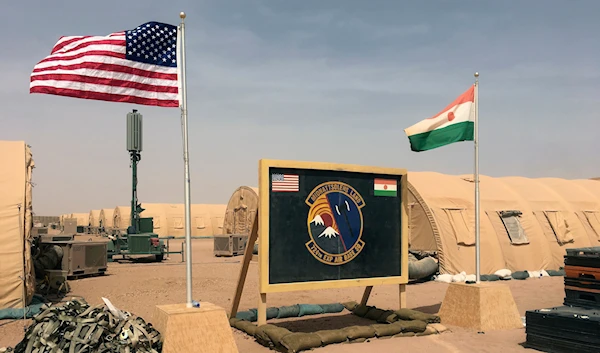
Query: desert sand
{"type": "Point", "coordinates": [138, 287]}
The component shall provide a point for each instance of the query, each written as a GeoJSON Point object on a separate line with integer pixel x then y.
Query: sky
{"type": "Point", "coordinates": [326, 81]}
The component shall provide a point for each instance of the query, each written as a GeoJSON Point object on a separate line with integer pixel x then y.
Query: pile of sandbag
{"type": "Point", "coordinates": [79, 327]}
{"type": "Point", "coordinates": [296, 310]}
{"type": "Point", "coordinates": [503, 274]}
{"type": "Point", "coordinates": [389, 323]}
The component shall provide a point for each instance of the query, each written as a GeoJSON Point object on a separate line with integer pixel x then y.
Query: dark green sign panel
{"type": "Point", "coordinates": [331, 225]}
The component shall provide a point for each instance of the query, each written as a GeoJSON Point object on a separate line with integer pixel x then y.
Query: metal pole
{"type": "Point", "coordinates": [186, 164]}
{"type": "Point", "coordinates": [476, 179]}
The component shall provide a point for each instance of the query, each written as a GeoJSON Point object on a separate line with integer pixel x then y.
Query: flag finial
{"type": "Point", "coordinates": [182, 15]}
{"type": "Point", "coordinates": [476, 74]}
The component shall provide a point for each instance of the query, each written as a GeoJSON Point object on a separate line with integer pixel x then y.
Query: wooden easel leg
{"type": "Point", "coordinates": [402, 296]}
{"type": "Point", "coordinates": [366, 295]}
{"type": "Point", "coordinates": [262, 309]}
{"type": "Point", "coordinates": [244, 270]}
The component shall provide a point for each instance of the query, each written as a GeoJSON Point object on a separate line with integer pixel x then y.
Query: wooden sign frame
{"type": "Point", "coordinates": [260, 231]}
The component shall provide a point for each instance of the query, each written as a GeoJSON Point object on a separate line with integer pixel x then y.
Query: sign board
{"type": "Point", "coordinates": [324, 225]}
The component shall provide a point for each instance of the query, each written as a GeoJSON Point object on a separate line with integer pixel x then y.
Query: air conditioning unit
{"type": "Point", "coordinates": [230, 244]}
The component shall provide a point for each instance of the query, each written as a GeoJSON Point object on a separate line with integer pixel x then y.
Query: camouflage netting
{"type": "Point", "coordinates": [389, 323]}
{"type": "Point", "coordinates": [77, 327]}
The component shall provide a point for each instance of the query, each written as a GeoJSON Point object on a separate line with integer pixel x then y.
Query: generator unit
{"type": "Point", "coordinates": [79, 257]}
{"type": "Point", "coordinates": [229, 244]}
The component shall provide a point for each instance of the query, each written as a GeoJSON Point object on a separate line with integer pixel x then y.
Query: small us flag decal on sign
{"type": "Point", "coordinates": [285, 182]}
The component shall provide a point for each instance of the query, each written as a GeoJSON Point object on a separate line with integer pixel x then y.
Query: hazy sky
{"type": "Point", "coordinates": [334, 81]}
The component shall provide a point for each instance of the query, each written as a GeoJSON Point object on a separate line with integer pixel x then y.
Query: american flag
{"type": "Point", "coordinates": [134, 66]}
{"type": "Point", "coordinates": [285, 182]}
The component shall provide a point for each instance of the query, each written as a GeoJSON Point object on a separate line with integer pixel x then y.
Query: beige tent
{"type": "Point", "coordinates": [241, 210]}
{"type": "Point", "coordinates": [525, 224]}
{"type": "Point", "coordinates": [106, 218]}
{"type": "Point", "coordinates": [122, 217]}
{"type": "Point", "coordinates": [169, 219]}
{"type": "Point", "coordinates": [94, 218]}
{"type": "Point", "coordinates": [15, 225]}
{"type": "Point", "coordinates": [83, 219]}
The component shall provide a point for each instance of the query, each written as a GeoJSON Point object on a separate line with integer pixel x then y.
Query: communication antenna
{"type": "Point", "coordinates": [134, 146]}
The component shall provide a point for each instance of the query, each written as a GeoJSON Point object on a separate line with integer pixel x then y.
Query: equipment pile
{"type": "Point", "coordinates": [79, 327]}
{"type": "Point", "coordinates": [574, 326]}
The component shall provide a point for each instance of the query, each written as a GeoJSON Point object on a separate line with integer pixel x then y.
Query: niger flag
{"type": "Point", "coordinates": [453, 124]}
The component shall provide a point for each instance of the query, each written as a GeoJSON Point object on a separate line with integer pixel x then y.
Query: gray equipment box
{"type": "Point", "coordinates": [230, 244]}
{"type": "Point", "coordinates": [80, 257]}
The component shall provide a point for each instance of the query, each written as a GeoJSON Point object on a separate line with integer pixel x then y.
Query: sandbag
{"type": "Point", "coordinates": [489, 277]}
{"type": "Point", "coordinates": [262, 336]}
{"type": "Point", "coordinates": [332, 336]}
{"type": "Point", "coordinates": [354, 332]}
{"type": "Point", "coordinates": [405, 334]}
{"type": "Point", "coordinates": [331, 308]}
{"type": "Point", "coordinates": [555, 273]}
{"type": "Point", "coordinates": [409, 314]}
{"type": "Point", "coordinates": [272, 313]}
{"type": "Point", "coordinates": [247, 315]}
{"type": "Point", "coordinates": [276, 334]}
{"type": "Point", "coordinates": [415, 326]}
{"type": "Point", "coordinates": [382, 330]}
{"type": "Point", "coordinates": [374, 314]}
{"type": "Point", "coordinates": [428, 331]}
{"type": "Point", "coordinates": [361, 310]}
{"type": "Point", "coordinates": [350, 305]}
{"type": "Point", "coordinates": [520, 275]}
{"type": "Point", "coordinates": [422, 268]}
{"type": "Point", "coordinates": [289, 311]}
{"type": "Point", "coordinates": [388, 317]}
{"type": "Point", "coordinates": [300, 341]}
{"type": "Point", "coordinates": [233, 320]}
{"type": "Point", "coordinates": [310, 309]}
{"type": "Point", "coordinates": [246, 326]}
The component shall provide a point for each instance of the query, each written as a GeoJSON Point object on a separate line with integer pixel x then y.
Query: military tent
{"type": "Point", "coordinates": [94, 218]}
{"type": "Point", "coordinates": [83, 219]}
{"type": "Point", "coordinates": [169, 219]}
{"type": "Point", "coordinates": [106, 218]}
{"type": "Point", "coordinates": [17, 280]}
{"type": "Point", "coordinates": [241, 210]}
{"type": "Point", "coordinates": [525, 224]}
{"type": "Point", "coordinates": [122, 217]}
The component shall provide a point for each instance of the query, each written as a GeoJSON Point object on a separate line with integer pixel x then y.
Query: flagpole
{"type": "Point", "coordinates": [476, 179]}
{"type": "Point", "coordinates": [186, 165]}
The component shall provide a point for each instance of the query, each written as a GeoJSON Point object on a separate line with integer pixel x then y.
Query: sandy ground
{"type": "Point", "coordinates": [138, 287]}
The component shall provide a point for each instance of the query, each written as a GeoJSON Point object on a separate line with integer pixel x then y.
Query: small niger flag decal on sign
{"type": "Point", "coordinates": [386, 187]}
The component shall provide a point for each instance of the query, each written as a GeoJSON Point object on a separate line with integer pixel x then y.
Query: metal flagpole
{"type": "Point", "coordinates": [476, 178]}
{"type": "Point", "coordinates": [186, 163]}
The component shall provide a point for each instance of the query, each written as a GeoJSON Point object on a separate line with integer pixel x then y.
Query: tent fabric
{"type": "Point", "coordinates": [122, 217]}
{"type": "Point", "coordinates": [241, 210]}
{"type": "Point", "coordinates": [169, 219]}
{"type": "Point", "coordinates": [106, 218]}
{"type": "Point", "coordinates": [94, 218]}
{"type": "Point", "coordinates": [525, 224]}
{"type": "Point", "coordinates": [16, 222]}
{"type": "Point", "coordinates": [83, 219]}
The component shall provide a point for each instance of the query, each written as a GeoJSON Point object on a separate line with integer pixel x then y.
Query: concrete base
{"type": "Point", "coordinates": [483, 307]}
{"type": "Point", "coordinates": [199, 330]}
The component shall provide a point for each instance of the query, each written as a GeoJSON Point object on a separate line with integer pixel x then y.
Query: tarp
{"type": "Point", "coordinates": [241, 210]}
{"type": "Point", "coordinates": [16, 221]}
{"type": "Point", "coordinates": [525, 224]}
